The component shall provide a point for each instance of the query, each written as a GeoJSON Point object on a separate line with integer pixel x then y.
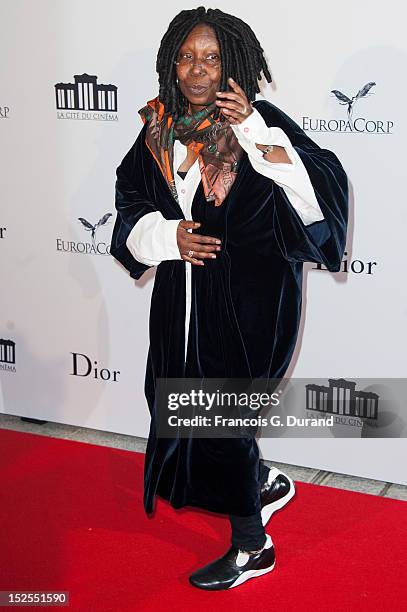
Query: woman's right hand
{"type": "Point", "coordinates": [201, 246]}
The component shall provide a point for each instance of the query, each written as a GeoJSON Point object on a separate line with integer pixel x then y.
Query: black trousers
{"type": "Point", "coordinates": [247, 531]}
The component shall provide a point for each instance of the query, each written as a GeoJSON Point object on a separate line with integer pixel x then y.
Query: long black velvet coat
{"type": "Point", "coordinates": [245, 309]}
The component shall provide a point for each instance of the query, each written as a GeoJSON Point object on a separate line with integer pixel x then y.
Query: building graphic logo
{"type": "Point", "coordinates": [86, 99]}
{"type": "Point", "coordinates": [349, 124]}
{"type": "Point", "coordinates": [87, 248]}
{"type": "Point", "coordinates": [7, 355]}
{"type": "Point", "coordinates": [341, 399]}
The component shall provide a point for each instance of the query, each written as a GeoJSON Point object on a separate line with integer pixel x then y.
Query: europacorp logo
{"type": "Point", "coordinates": [85, 247]}
{"type": "Point", "coordinates": [357, 119]}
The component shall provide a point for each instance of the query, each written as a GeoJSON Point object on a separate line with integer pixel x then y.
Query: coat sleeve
{"type": "Point", "coordinates": [322, 241]}
{"type": "Point", "coordinates": [132, 202]}
{"type": "Point", "coordinates": [292, 177]}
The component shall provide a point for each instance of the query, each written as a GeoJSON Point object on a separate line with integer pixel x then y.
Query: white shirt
{"type": "Point", "coordinates": [153, 239]}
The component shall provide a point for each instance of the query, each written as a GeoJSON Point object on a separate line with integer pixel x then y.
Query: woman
{"type": "Point", "coordinates": [228, 197]}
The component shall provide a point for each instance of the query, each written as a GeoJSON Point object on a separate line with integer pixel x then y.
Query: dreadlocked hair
{"type": "Point", "coordinates": [241, 56]}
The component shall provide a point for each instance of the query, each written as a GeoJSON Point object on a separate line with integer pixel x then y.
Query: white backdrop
{"type": "Point", "coordinates": [63, 307]}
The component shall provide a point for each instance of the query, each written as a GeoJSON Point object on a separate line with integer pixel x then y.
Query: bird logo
{"type": "Point", "coordinates": [92, 228]}
{"type": "Point", "coordinates": [350, 102]}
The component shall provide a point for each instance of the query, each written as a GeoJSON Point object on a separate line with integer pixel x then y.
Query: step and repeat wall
{"type": "Point", "coordinates": [73, 324]}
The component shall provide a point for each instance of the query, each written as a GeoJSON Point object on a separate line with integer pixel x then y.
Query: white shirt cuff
{"type": "Point", "coordinates": [153, 239]}
{"type": "Point", "coordinates": [255, 130]}
{"type": "Point", "coordinates": [292, 178]}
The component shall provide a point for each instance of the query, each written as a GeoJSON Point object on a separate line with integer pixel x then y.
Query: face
{"type": "Point", "coordinates": [199, 81]}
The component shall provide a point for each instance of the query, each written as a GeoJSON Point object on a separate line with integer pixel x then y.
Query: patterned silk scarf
{"type": "Point", "coordinates": [212, 141]}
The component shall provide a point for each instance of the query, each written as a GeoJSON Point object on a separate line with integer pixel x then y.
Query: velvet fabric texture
{"type": "Point", "coordinates": [246, 304]}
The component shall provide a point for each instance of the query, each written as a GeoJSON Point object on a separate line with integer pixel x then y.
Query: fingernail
{"type": "Point", "coordinates": [213, 256]}
{"type": "Point", "coordinates": [218, 241]}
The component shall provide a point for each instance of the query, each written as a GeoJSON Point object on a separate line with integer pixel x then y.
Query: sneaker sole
{"type": "Point", "coordinates": [268, 511]}
{"type": "Point", "coordinates": [252, 574]}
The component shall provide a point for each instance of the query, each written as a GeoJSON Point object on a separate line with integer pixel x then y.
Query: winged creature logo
{"type": "Point", "coordinates": [92, 228]}
{"type": "Point", "coordinates": [343, 99]}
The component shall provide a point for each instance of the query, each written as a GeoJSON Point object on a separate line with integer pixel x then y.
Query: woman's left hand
{"type": "Point", "coordinates": [234, 104]}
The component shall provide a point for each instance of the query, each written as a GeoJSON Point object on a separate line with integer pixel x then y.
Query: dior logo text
{"type": "Point", "coordinates": [357, 266]}
{"type": "Point", "coordinates": [82, 366]}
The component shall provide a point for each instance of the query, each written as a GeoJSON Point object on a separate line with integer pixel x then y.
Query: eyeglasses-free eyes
{"type": "Point", "coordinates": [211, 61]}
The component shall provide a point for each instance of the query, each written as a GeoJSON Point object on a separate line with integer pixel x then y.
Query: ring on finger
{"type": "Point", "coordinates": [190, 253]}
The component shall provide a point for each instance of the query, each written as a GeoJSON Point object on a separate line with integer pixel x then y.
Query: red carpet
{"type": "Point", "coordinates": [72, 519]}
